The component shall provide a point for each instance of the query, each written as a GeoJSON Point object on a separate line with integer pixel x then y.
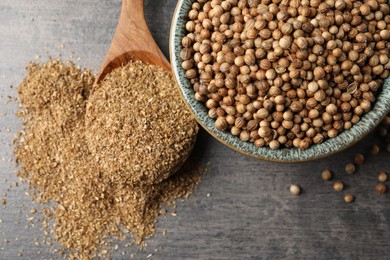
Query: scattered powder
{"type": "Point", "coordinates": [70, 137]}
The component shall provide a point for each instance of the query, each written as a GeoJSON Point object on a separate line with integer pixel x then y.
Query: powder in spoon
{"type": "Point", "coordinates": [93, 202]}
{"type": "Point", "coordinates": [137, 126]}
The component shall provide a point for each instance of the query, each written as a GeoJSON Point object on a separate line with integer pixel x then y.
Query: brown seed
{"type": "Point", "coordinates": [381, 188]}
{"type": "Point", "coordinates": [274, 145]}
{"type": "Point", "coordinates": [350, 168]}
{"type": "Point", "coordinates": [349, 198]}
{"type": "Point", "coordinates": [295, 189]}
{"type": "Point", "coordinates": [287, 28]}
{"type": "Point", "coordinates": [319, 73]}
{"type": "Point", "coordinates": [359, 159]}
{"type": "Point", "coordinates": [382, 177]}
{"type": "Point", "coordinates": [265, 131]}
{"type": "Point", "coordinates": [338, 186]}
{"type": "Point", "coordinates": [331, 109]}
{"type": "Point", "coordinates": [191, 73]}
{"type": "Point", "coordinates": [204, 48]}
{"type": "Point", "coordinates": [221, 124]}
{"type": "Point", "coordinates": [296, 106]}
{"type": "Point", "coordinates": [327, 175]}
{"type": "Point", "coordinates": [320, 95]}
{"type": "Point", "coordinates": [185, 54]}
{"type": "Point", "coordinates": [375, 149]}
{"type": "Point", "coordinates": [340, 5]}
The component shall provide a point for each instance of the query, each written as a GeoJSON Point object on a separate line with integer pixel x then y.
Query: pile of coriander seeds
{"type": "Point", "coordinates": [287, 73]}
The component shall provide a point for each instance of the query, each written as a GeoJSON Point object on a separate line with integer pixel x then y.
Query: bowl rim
{"type": "Point", "coordinates": [344, 140]}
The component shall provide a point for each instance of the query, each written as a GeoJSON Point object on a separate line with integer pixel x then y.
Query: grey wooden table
{"type": "Point", "coordinates": [249, 214]}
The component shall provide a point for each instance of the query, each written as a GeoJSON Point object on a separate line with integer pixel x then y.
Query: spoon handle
{"type": "Point", "coordinates": [132, 41]}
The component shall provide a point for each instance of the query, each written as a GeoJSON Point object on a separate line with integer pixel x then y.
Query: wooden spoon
{"type": "Point", "coordinates": [132, 41]}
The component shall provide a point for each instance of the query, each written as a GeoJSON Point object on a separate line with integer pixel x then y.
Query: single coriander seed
{"type": "Point", "coordinates": [382, 177]}
{"type": "Point", "coordinates": [327, 175]}
{"type": "Point", "coordinates": [381, 188]}
{"type": "Point", "coordinates": [359, 159]}
{"type": "Point", "coordinates": [349, 198]}
{"type": "Point", "coordinates": [350, 168]}
{"type": "Point", "coordinates": [338, 186]}
{"type": "Point", "coordinates": [295, 189]}
{"type": "Point", "coordinates": [375, 149]}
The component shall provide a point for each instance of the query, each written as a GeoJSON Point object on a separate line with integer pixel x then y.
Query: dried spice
{"type": "Point", "coordinates": [381, 188]}
{"type": "Point", "coordinates": [349, 198]}
{"type": "Point", "coordinates": [295, 189]}
{"type": "Point", "coordinates": [350, 168]}
{"type": "Point", "coordinates": [375, 149]}
{"type": "Point", "coordinates": [338, 186]}
{"type": "Point", "coordinates": [286, 73]}
{"type": "Point", "coordinates": [327, 175]}
{"type": "Point", "coordinates": [137, 125]}
{"type": "Point", "coordinates": [359, 159]}
{"type": "Point", "coordinates": [382, 177]}
{"type": "Point", "coordinates": [93, 202]}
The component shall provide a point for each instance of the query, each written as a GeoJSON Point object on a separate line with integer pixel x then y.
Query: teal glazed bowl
{"type": "Point", "coordinates": [331, 146]}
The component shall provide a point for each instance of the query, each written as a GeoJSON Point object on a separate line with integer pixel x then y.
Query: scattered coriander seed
{"type": "Point", "coordinates": [359, 159]}
{"type": "Point", "coordinates": [386, 120]}
{"type": "Point", "coordinates": [327, 175]}
{"type": "Point", "coordinates": [382, 177]}
{"type": "Point", "coordinates": [295, 189]}
{"type": "Point", "coordinates": [382, 131]}
{"type": "Point", "coordinates": [338, 186]}
{"type": "Point", "coordinates": [381, 188]}
{"type": "Point", "coordinates": [375, 149]}
{"type": "Point", "coordinates": [349, 198]}
{"type": "Point", "coordinates": [350, 168]}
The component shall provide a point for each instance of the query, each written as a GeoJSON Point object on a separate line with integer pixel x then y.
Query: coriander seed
{"type": "Point", "coordinates": [295, 189]}
{"type": "Point", "coordinates": [350, 168]}
{"type": "Point", "coordinates": [359, 159]}
{"type": "Point", "coordinates": [338, 186]}
{"type": "Point", "coordinates": [381, 188]}
{"type": "Point", "coordinates": [375, 149]}
{"type": "Point", "coordinates": [306, 58]}
{"type": "Point", "coordinates": [327, 175]}
{"type": "Point", "coordinates": [349, 198]}
{"type": "Point", "coordinates": [382, 177]}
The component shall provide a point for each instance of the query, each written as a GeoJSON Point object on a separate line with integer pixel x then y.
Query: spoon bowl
{"type": "Point", "coordinates": [132, 41]}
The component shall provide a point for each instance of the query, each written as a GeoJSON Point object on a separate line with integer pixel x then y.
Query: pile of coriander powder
{"type": "Point", "coordinates": [104, 158]}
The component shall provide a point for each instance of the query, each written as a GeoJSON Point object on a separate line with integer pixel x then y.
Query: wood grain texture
{"type": "Point", "coordinates": [132, 41]}
{"type": "Point", "coordinates": [249, 214]}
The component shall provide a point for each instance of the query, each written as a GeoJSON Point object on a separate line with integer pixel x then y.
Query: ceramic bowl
{"type": "Point", "coordinates": [329, 147]}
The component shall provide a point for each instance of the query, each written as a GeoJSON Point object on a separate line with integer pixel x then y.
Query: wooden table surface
{"type": "Point", "coordinates": [249, 214]}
